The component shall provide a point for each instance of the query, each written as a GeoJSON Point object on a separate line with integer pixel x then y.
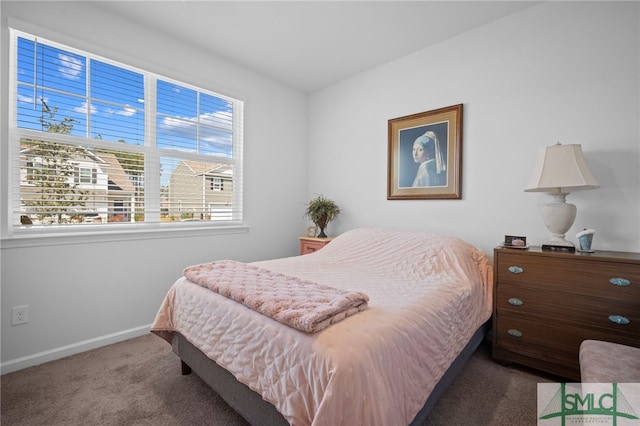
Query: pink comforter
{"type": "Point", "coordinates": [428, 294]}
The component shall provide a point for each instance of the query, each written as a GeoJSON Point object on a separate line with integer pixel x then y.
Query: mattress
{"type": "Point", "coordinates": [428, 293]}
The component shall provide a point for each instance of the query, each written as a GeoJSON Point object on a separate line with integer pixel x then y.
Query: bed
{"type": "Point", "coordinates": [428, 308]}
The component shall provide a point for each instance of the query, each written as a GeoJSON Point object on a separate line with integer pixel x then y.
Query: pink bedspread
{"type": "Point", "coordinates": [304, 305]}
{"type": "Point", "coordinates": [428, 294]}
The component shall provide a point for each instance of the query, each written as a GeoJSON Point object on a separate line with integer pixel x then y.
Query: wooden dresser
{"type": "Point", "coordinates": [546, 303]}
{"type": "Point", "coordinates": [311, 244]}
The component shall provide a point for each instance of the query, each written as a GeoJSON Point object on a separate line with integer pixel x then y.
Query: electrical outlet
{"type": "Point", "coordinates": [20, 315]}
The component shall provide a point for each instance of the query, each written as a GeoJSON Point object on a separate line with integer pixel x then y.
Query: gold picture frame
{"type": "Point", "coordinates": [434, 170]}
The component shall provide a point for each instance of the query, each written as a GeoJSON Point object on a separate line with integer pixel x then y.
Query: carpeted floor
{"type": "Point", "coordinates": [138, 382]}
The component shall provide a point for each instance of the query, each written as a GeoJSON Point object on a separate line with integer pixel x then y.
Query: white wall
{"type": "Point", "coordinates": [83, 295]}
{"type": "Point", "coordinates": [558, 71]}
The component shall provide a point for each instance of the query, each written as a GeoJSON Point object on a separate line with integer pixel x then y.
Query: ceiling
{"type": "Point", "coordinates": [309, 45]}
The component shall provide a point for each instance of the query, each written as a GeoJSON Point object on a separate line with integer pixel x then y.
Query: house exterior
{"type": "Point", "coordinates": [199, 191]}
{"type": "Point", "coordinates": [122, 196]}
{"type": "Point", "coordinates": [93, 187]}
{"type": "Point", "coordinates": [78, 186]}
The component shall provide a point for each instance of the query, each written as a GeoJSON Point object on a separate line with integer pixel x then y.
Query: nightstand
{"type": "Point", "coordinates": [547, 303]}
{"type": "Point", "coordinates": [311, 244]}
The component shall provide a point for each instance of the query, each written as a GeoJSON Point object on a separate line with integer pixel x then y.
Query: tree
{"type": "Point", "coordinates": [50, 169]}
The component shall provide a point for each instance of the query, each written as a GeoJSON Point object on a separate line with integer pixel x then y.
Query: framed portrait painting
{"type": "Point", "coordinates": [425, 155]}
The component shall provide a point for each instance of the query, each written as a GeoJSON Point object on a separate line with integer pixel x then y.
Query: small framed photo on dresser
{"type": "Point", "coordinates": [515, 241]}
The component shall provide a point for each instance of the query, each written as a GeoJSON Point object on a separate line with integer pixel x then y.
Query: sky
{"type": "Point", "coordinates": [107, 101]}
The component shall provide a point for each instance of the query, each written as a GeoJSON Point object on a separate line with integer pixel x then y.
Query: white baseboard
{"type": "Point", "coordinates": [75, 348]}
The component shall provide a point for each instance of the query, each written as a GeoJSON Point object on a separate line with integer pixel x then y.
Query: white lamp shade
{"type": "Point", "coordinates": [561, 167]}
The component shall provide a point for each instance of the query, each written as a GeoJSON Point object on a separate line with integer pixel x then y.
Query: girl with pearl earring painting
{"type": "Point", "coordinates": [432, 169]}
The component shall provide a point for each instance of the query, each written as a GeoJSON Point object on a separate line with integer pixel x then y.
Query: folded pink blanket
{"type": "Point", "coordinates": [304, 305]}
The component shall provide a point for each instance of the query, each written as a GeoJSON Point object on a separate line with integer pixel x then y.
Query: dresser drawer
{"type": "Point", "coordinates": [310, 247]}
{"type": "Point", "coordinates": [313, 244]}
{"type": "Point", "coordinates": [559, 345]}
{"type": "Point", "coordinates": [571, 275]}
{"type": "Point", "coordinates": [554, 333]}
{"type": "Point", "coordinates": [619, 317]}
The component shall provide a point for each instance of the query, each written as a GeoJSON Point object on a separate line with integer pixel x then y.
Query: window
{"type": "Point", "coordinates": [97, 142]}
{"type": "Point", "coordinates": [216, 184]}
{"type": "Point", "coordinates": [86, 175]}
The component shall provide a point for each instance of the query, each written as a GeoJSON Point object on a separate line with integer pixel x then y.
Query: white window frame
{"type": "Point", "coordinates": [20, 236]}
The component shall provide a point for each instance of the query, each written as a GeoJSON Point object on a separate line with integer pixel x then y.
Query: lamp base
{"type": "Point", "coordinates": [549, 247]}
{"type": "Point", "coordinates": [558, 217]}
{"type": "Point", "coordinates": [558, 243]}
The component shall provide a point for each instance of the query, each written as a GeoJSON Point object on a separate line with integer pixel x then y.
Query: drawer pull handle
{"type": "Point", "coordinates": [515, 301]}
{"type": "Point", "coordinates": [619, 319]}
{"type": "Point", "coordinates": [516, 269]}
{"type": "Point", "coordinates": [515, 333]}
{"type": "Point", "coordinates": [620, 282]}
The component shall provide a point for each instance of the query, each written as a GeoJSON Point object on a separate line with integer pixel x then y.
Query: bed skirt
{"type": "Point", "coordinates": [257, 411]}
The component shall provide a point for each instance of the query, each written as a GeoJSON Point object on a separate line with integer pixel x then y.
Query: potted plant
{"type": "Point", "coordinates": [321, 211]}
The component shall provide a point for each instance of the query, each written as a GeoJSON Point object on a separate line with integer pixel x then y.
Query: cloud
{"type": "Point", "coordinates": [70, 67]}
{"type": "Point", "coordinates": [127, 111]}
{"type": "Point", "coordinates": [215, 132]}
{"type": "Point", "coordinates": [220, 119]}
{"type": "Point", "coordinates": [82, 109]}
{"type": "Point", "coordinates": [25, 99]}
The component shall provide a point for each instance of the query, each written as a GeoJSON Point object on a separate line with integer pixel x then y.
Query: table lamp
{"type": "Point", "coordinates": [559, 170]}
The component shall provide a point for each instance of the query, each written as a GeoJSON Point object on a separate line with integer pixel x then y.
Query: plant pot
{"type": "Point", "coordinates": [322, 223]}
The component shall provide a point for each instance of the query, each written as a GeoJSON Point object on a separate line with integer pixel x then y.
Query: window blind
{"type": "Point", "coordinates": [99, 142]}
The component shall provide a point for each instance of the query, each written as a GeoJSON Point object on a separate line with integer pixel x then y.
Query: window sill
{"type": "Point", "coordinates": [54, 237]}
